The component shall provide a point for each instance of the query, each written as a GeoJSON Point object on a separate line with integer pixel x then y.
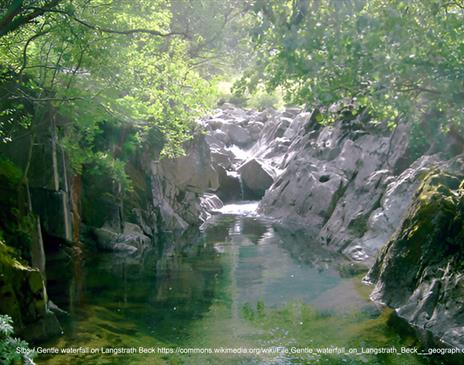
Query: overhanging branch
{"type": "Point", "coordinates": [117, 31]}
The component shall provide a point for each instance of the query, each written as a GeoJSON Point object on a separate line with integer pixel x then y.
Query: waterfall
{"type": "Point", "coordinates": [242, 188]}
{"type": "Point", "coordinates": [236, 175]}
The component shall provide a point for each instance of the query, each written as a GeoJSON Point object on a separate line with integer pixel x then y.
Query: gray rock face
{"type": "Point", "coordinates": [419, 271]}
{"type": "Point", "coordinates": [177, 185]}
{"type": "Point", "coordinates": [132, 239]}
{"type": "Point", "coordinates": [305, 192]}
{"type": "Point", "coordinates": [24, 297]}
{"type": "Point", "coordinates": [330, 179]}
{"type": "Point", "coordinates": [339, 180]}
{"type": "Point", "coordinates": [209, 203]}
{"type": "Point", "coordinates": [237, 135]}
{"type": "Point", "coordinates": [255, 178]}
{"type": "Point", "coordinates": [232, 136]}
{"type": "Point", "coordinates": [349, 183]}
{"type": "Point", "coordinates": [353, 186]}
{"type": "Point", "coordinates": [47, 177]}
{"type": "Point", "coordinates": [229, 185]}
{"type": "Point", "coordinates": [192, 172]}
{"type": "Point", "coordinates": [388, 216]}
{"type": "Point", "coordinates": [166, 197]}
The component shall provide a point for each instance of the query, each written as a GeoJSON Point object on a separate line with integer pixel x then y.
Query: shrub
{"type": "Point", "coordinates": [8, 345]}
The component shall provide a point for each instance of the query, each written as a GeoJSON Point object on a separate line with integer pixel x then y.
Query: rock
{"type": "Point", "coordinates": [296, 125]}
{"type": "Point", "coordinates": [255, 178]}
{"type": "Point", "coordinates": [291, 112]}
{"type": "Point", "coordinates": [208, 204]}
{"type": "Point", "coordinates": [229, 185]}
{"type": "Point", "coordinates": [193, 171]}
{"type": "Point", "coordinates": [338, 179]}
{"type": "Point", "coordinates": [56, 310]}
{"type": "Point", "coordinates": [255, 128]}
{"type": "Point", "coordinates": [419, 271]}
{"type": "Point", "coordinates": [215, 124]}
{"type": "Point", "coordinates": [130, 240]}
{"type": "Point", "coordinates": [397, 196]}
{"type": "Point", "coordinates": [237, 134]}
{"type": "Point", "coordinates": [350, 182]}
{"type": "Point", "coordinates": [261, 117]}
{"type": "Point", "coordinates": [24, 298]}
{"type": "Point", "coordinates": [227, 106]}
{"type": "Point", "coordinates": [223, 158]}
{"type": "Point", "coordinates": [176, 208]}
{"type": "Point", "coordinates": [134, 236]}
{"type": "Point", "coordinates": [304, 194]}
{"type": "Point", "coordinates": [105, 238]}
{"type": "Point", "coordinates": [222, 137]}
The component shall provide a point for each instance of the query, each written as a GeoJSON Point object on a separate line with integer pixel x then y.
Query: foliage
{"type": "Point", "coordinates": [15, 111]}
{"type": "Point", "coordinates": [218, 34]}
{"type": "Point", "coordinates": [262, 100]}
{"type": "Point", "coordinates": [8, 345]}
{"type": "Point", "coordinates": [400, 58]}
{"type": "Point", "coordinates": [82, 64]}
{"type": "Point", "coordinates": [16, 222]}
{"type": "Point", "coordinates": [6, 253]}
{"type": "Point", "coordinates": [9, 172]}
{"type": "Point", "coordinates": [259, 100]}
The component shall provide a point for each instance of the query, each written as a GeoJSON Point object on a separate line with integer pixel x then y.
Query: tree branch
{"type": "Point", "coordinates": [116, 31]}
{"type": "Point", "coordinates": [14, 20]}
{"type": "Point", "coordinates": [37, 35]}
{"type": "Point", "coordinates": [13, 10]}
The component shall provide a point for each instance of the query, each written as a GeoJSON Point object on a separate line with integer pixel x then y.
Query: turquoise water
{"type": "Point", "coordinates": [239, 284]}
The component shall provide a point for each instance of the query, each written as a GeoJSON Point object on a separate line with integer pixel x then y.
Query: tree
{"type": "Point", "coordinates": [95, 62]}
{"type": "Point", "coordinates": [400, 58]}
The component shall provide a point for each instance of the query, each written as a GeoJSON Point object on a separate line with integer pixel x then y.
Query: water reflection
{"type": "Point", "coordinates": [221, 287]}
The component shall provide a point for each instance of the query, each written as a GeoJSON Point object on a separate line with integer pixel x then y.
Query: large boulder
{"type": "Point", "coordinates": [237, 134]}
{"type": "Point", "coordinates": [229, 185]}
{"type": "Point", "coordinates": [193, 171]}
{"type": "Point", "coordinates": [334, 178]}
{"type": "Point", "coordinates": [307, 192]}
{"type": "Point", "coordinates": [389, 211]}
{"type": "Point", "coordinates": [24, 298]}
{"type": "Point", "coordinates": [256, 179]}
{"type": "Point", "coordinates": [131, 239]}
{"type": "Point", "coordinates": [419, 272]}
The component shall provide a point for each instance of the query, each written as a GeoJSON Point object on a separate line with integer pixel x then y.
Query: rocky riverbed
{"type": "Point", "coordinates": [356, 187]}
{"type": "Point", "coordinates": [352, 188]}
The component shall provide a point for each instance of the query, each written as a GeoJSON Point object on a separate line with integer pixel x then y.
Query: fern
{"type": "Point", "coordinates": [9, 345]}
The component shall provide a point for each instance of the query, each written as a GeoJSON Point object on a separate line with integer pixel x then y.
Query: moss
{"type": "Point", "coordinates": [35, 282]}
{"type": "Point", "coordinates": [436, 217]}
{"type": "Point", "coordinates": [16, 221]}
{"type": "Point", "coordinates": [430, 237]}
{"type": "Point", "coordinates": [358, 226]}
{"type": "Point", "coordinates": [10, 172]}
{"type": "Point", "coordinates": [352, 269]}
{"type": "Point", "coordinates": [22, 293]}
{"type": "Point", "coordinates": [8, 257]}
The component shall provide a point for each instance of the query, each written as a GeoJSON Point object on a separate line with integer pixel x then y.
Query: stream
{"type": "Point", "coordinates": [241, 284]}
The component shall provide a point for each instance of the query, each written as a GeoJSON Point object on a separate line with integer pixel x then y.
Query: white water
{"type": "Point", "coordinates": [239, 153]}
{"type": "Point", "coordinates": [246, 208]}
